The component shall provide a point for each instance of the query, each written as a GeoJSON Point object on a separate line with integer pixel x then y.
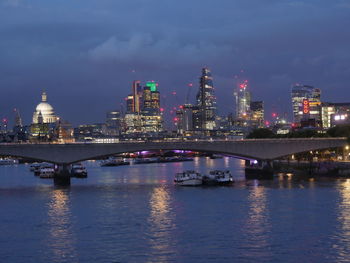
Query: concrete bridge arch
{"type": "Point", "coordinates": [261, 149]}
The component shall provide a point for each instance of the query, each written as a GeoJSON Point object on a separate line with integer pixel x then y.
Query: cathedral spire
{"type": "Point", "coordinates": [43, 97]}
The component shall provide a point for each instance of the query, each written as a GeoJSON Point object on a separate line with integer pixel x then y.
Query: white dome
{"type": "Point", "coordinates": [44, 111]}
{"type": "Point", "coordinates": [44, 107]}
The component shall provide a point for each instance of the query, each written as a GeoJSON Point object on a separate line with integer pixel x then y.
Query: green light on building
{"type": "Point", "coordinates": [152, 85]}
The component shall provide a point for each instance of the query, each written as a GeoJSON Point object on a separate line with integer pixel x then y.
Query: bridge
{"type": "Point", "coordinates": [260, 149]}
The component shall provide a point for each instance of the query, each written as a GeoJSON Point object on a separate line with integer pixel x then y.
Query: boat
{"type": "Point", "coordinates": [46, 172]}
{"type": "Point", "coordinates": [8, 161]}
{"type": "Point", "coordinates": [146, 160]}
{"type": "Point", "coordinates": [174, 159]}
{"type": "Point", "coordinates": [38, 168]}
{"type": "Point", "coordinates": [215, 156]}
{"type": "Point", "coordinates": [34, 166]}
{"type": "Point", "coordinates": [78, 170]}
{"type": "Point", "coordinates": [188, 178]}
{"type": "Point", "coordinates": [218, 177]}
{"type": "Point", "coordinates": [112, 161]}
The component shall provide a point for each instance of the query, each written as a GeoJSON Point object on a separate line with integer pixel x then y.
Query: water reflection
{"type": "Point", "coordinates": [258, 225]}
{"type": "Point", "coordinates": [342, 244]}
{"type": "Point", "coordinates": [161, 223]}
{"type": "Point", "coordinates": [62, 240]}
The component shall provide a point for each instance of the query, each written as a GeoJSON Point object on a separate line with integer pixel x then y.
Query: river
{"type": "Point", "coordinates": [136, 214]}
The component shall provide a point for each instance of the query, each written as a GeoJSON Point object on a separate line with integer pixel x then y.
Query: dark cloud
{"type": "Point", "coordinates": [85, 54]}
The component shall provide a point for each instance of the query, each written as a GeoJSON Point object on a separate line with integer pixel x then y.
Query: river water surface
{"type": "Point", "coordinates": [136, 214]}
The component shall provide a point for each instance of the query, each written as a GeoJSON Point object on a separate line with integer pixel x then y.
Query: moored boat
{"type": "Point", "coordinates": [8, 161]}
{"type": "Point", "coordinates": [34, 166]}
{"type": "Point", "coordinates": [174, 159]}
{"type": "Point", "coordinates": [188, 178]}
{"type": "Point", "coordinates": [46, 172]}
{"type": "Point", "coordinates": [38, 168]}
{"type": "Point", "coordinates": [146, 160]}
{"type": "Point", "coordinates": [78, 170]}
{"type": "Point", "coordinates": [218, 177]}
{"type": "Point", "coordinates": [112, 161]}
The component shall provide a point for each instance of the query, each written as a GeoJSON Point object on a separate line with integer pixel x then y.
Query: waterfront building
{"type": "Point", "coordinates": [306, 102]}
{"type": "Point", "coordinates": [257, 113]}
{"type": "Point", "coordinates": [334, 113]}
{"type": "Point", "coordinates": [206, 102]}
{"type": "Point", "coordinates": [243, 101]}
{"type": "Point", "coordinates": [132, 122]}
{"type": "Point", "coordinates": [45, 111]}
{"type": "Point", "coordinates": [113, 123]}
{"type": "Point", "coordinates": [89, 132]}
{"type": "Point", "coordinates": [64, 132]}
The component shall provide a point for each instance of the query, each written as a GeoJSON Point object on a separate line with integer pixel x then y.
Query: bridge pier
{"type": "Point", "coordinates": [259, 169]}
{"type": "Point", "coordinates": [62, 176]}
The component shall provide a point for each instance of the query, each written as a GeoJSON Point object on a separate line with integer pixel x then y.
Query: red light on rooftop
{"type": "Point", "coordinates": [161, 109]}
{"type": "Point", "coordinates": [274, 115]}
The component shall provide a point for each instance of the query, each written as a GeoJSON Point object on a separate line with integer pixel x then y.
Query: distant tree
{"type": "Point", "coordinates": [261, 133]}
{"type": "Point", "coordinates": [340, 131]}
{"type": "Point", "coordinates": [307, 133]}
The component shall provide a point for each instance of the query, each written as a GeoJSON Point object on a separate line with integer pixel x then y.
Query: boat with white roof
{"type": "Point", "coordinates": [188, 178]}
{"type": "Point", "coordinates": [218, 177]}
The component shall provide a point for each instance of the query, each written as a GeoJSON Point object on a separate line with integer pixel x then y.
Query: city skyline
{"type": "Point", "coordinates": [86, 60]}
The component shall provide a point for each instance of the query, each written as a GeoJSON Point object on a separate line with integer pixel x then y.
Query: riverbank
{"type": "Point", "coordinates": [321, 168]}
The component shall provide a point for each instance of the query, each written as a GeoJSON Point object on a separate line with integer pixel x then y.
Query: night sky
{"type": "Point", "coordinates": [86, 53]}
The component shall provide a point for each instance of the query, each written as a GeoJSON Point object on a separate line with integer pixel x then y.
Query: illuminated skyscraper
{"type": "Point", "coordinates": [184, 118]}
{"type": "Point", "coordinates": [151, 117]}
{"type": "Point", "coordinates": [113, 123]}
{"type": "Point", "coordinates": [137, 95]}
{"type": "Point", "coordinates": [130, 104]}
{"type": "Point", "coordinates": [243, 99]}
{"type": "Point", "coordinates": [206, 101]}
{"type": "Point", "coordinates": [306, 102]}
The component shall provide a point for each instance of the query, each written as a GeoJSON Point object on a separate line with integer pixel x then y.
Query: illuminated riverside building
{"type": "Point", "coordinates": [334, 114]}
{"type": "Point", "coordinates": [136, 96]}
{"type": "Point", "coordinates": [257, 113]}
{"type": "Point", "coordinates": [206, 102]}
{"type": "Point", "coordinates": [64, 132]}
{"type": "Point", "coordinates": [243, 101]}
{"type": "Point", "coordinates": [151, 117]}
{"type": "Point", "coordinates": [306, 102]}
{"type": "Point", "coordinates": [113, 123]}
{"type": "Point", "coordinates": [143, 109]}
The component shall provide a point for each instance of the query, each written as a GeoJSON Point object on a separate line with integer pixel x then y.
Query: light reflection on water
{"type": "Point", "coordinates": [342, 245]}
{"type": "Point", "coordinates": [257, 225]}
{"type": "Point", "coordinates": [161, 225]}
{"type": "Point", "coordinates": [62, 239]}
